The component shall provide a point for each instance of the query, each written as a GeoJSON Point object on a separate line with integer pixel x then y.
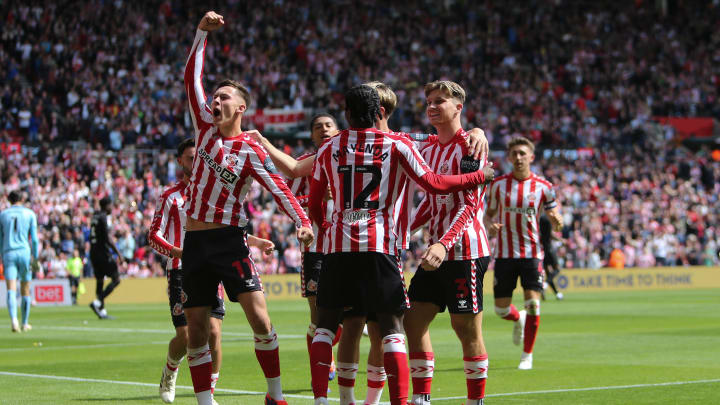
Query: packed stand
{"type": "Point", "coordinates": [566, 75]}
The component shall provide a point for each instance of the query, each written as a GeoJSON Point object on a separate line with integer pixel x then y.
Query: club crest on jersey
{"type": "Point", "coordinates": [530, 197]}
{"type": "Point", "coordinates": [355, 216]}
{"type": "Point", "coordinates": [444, 168]}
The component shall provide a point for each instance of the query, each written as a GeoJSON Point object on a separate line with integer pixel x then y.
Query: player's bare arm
{"type": "Point", "coordinates": [289, 166]}
{"type": "Point", "coordinates": [211, 21]}
{"type": "Point", "coordinates": [555, 218]}
{"type": "Point", "coordinates": [265, 245]}
{"type": "Point", "coordinates": [492, 227]}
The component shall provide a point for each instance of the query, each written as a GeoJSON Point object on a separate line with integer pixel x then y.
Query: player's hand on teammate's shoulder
{"type": "Point", "coordinates": [433, 257]}
{"type": "Point", "coordinates": [211, 21]}
{"type": "Point", "coordinates": [256, 135]}
{"type": "Point", "coordinates": [305, 235]}
{"type": "Point", "coordinates": [477, 143]}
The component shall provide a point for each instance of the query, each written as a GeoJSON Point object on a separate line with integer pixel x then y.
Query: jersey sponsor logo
{"type": "Point", "coordinates": [355, 216]}
{"type": "Point", "coordinates": [530, 211]}
{"type": "Point", "coordinates": [469, 165]}
{"type": "Point", "coordinates": [375, 150]}
{"type": "Point", "coordinates": [227, 177]}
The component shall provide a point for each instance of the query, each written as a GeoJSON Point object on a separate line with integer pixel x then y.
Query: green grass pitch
{"type": "Point", "coordinates": [641, 347]}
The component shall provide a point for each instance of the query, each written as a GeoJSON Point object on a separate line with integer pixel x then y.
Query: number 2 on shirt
{"type": "Point", "coordinates": [361, 201]}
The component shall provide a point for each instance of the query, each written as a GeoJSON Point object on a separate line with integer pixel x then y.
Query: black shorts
{"type": "Point", "coordinates": [310, 273]}
{"type": "Point", "coordinates": [550, 261]}
{"type": "Point", "coordinates": [104, 266]}
{"type": "Point", "coordinates": [507, 272]}
{"type": "Point", "coordinates": [456, 284]}
{"type": "Point", "coordinates": [364, 281]}
{"type": "Point", "coordinates": [177, 299]}
{"type": "Point", "coordinates": [214, 256]}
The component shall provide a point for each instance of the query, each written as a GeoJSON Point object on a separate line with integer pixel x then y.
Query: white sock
{"type": "Point", "coordinates": [173, 363]}
{"type": "Point", "coordinates": [213, 380]}
{"type": "Point", "coordinates": [376, 381]}
{"type": "Point", "coordinates": [275, 388]}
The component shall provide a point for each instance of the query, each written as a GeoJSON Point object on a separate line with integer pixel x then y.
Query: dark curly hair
{"type": "Point", "coordinates": [362, 105]}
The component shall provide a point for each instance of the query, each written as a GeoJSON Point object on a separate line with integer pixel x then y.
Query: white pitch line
{"type": "Point", "coordinates": [50, 347]}
{"type": "Point", "coordinates": [162, 331]}
{"type": "Point", "coordinates": [611, 387]}
{"type": "Point", "coordinates": [139, 384]}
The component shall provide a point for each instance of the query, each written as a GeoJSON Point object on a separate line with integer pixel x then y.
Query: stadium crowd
{"type": "Point", "coordinates": [95, 117]}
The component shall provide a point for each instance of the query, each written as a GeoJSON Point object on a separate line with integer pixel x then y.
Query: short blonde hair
{"type": "Point", "coordinates": [388, 99]}
{"type": "Point", "coordinates": [521, 140]}
{"type": "Point", "coordinates": [451, 88]}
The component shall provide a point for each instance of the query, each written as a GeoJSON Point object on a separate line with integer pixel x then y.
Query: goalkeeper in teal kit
{"type": "Point", "coordinates": [18, 235]}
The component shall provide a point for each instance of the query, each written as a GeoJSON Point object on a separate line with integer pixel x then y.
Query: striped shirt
{"type": "Point", "coordinates": [224, 167]}
{"type": "Point", "coordinates": [455, 219]}
{"type": "Point", "coordinates": [367, 169]}
{"type": "Point", "coordinates": [300, 187]}
{"type": "Point", "coordinates": [168, 225]}
{"type": "Point", "coordinates": [518, 203]}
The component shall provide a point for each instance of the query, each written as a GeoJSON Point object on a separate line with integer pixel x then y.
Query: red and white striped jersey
{"type": "Point", "coordinates": [518, 203]}
{"type": "Point", "coordinates": [455, 219]}
{"type": "Point", "coordinates": [168, 225]}
{"type": "Point", "coordinates": [223, 168]}
{"type": "Point", "coordinates": [300, 187]}
{"type": "Point", "coordinates": [407, 193]}
{"type": "Point", "coordinates": [366, 170]}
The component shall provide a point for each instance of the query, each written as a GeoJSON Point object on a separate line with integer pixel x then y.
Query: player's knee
{"type": "Point", "coordinates": [465, 331]}
{"type": "Point", "coordinates": [502, 312]}
{"type": "Point", "coordinates": [532, 306]}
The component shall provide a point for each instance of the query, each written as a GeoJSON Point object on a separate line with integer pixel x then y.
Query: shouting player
{"type": "Point", "coordinates": [215, 247]}
{"type": "Point", "coordinates": [453, 267]}
{"type": "Point", "coordinates": [517, 198]}
{"type": "Point", "coordinates": [364, 168]}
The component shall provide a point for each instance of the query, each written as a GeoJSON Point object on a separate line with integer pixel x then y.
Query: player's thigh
{"type": "Point", "coordinates": [341, 284]}
{"type": "Point", "coordinates": [10, 269]}
{"type": "Point", "coordinates": [24, 273]}
{"type": "Point", "coordinates": [463, 283]}
{"type": "Point", "coordinates": [199, 276]}
{"type": "Point", "coordinates": [385, 285]}
{"type": "Point", "coordinates": [531, 274]}
{"type": "Point", "coordinates": [230, 259]}
{"type": "Point", "coordinates": [417, 319]}
{"type": "Point", "coordinates": [505, 278]}
{"type": "Point", "coordinates": [467, 326]}
{"type": "Point", "coordinates": [255, 307]}
{"type": "Point", "coordinates": [176, 298]}
{"type": "Point", "coordinates": [426, 288]}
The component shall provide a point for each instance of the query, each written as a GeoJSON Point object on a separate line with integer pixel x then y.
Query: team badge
{"type": "Point", "coordinates": [312, 285]}
{"type": "Point", "coordinates": [444, 168]}
{"type": "Point", "coordinates": [177, 309]}
{"type": "Point", "coordinates": [183, 296]}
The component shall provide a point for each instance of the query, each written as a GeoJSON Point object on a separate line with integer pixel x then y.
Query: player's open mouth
{"type": "Point", "coordinates": [216, 112]}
